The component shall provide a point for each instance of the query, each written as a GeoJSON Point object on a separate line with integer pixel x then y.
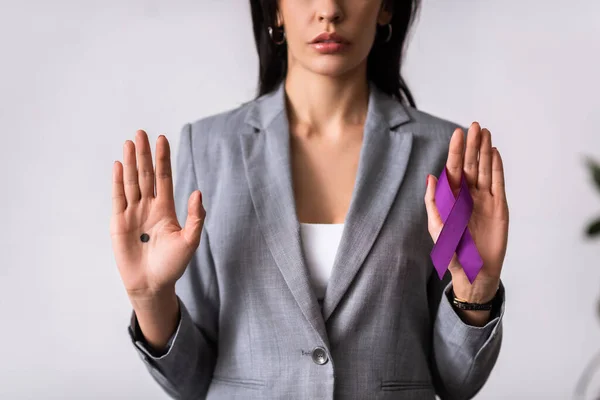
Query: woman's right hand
{"type": "Point", "coordinates": [149, 268]}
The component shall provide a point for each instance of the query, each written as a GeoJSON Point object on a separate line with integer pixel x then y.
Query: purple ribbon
{"type": "Point", "coordinates": [455, 235]}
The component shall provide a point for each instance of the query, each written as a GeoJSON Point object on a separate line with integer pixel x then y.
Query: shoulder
{"type": "Point", "coordinates": [213, 137]}
{"type": "Point", "coordinates": [224, 124]}
{"type": "Point", "coordinates": [433, 127]}
{"type": "Point", "coordinates": [431, 135]}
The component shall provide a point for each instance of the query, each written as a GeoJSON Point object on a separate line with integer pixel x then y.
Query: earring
{"type": "Point", "coordinates": [389, 36]}
{"type": "Point", "coordinates": [282, 35]}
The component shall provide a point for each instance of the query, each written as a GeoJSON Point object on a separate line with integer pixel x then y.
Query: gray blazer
{"type": "Point", "coordinates": [251, 326]}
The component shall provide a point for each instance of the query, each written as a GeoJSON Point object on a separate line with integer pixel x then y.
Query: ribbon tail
{"type": "Point", "coordinates": [468, 256]}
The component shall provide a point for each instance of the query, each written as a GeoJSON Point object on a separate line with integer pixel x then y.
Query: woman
{"type": "Point", "coordinates": [309, 276]}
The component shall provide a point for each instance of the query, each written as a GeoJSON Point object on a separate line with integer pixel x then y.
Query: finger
{"type": "Point", "coordinates": [434, 221]}
{"type": "Point", "coordinates": [130, 174]}
{"type": "Point", "coordinates": [145, 167]}
{"type": "Point", "coordinates": [119, 202]}
{"type": "Point", "coordinates": [164, 173]}
{"type": "Point", "coordinates": [498, 185]}
{"type": "Point", "coordinates": [454, 164]}
{"type": "Point", "coordinates": [471, 166]}
{"type": "Point", "coordinates": [484, 178]}
{"type": "Point", "coordinates": [194, 220]}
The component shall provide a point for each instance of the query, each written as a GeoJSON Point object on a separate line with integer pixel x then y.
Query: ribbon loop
{"type": "Point", "coordinates": [455, 236]}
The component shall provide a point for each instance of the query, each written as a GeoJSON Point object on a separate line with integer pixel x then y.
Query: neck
{"type": "Point", "coordinates": [324, 103]}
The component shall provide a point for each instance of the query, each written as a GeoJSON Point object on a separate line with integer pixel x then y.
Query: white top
{"type": "Point", "coordinates": [320, 243]}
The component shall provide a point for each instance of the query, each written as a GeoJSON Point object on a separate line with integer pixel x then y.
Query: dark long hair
{"type": "Point", "coordinates": [383, 64]}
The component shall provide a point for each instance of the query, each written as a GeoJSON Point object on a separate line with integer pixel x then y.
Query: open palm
{"type": "Point", "coordinates": [143, 204]}
{"type": "Point", "coordinates": [482, 167]}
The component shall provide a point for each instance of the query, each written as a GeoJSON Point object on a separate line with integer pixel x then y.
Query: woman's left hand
{"type": "Point", "coordinates": [489, 221]}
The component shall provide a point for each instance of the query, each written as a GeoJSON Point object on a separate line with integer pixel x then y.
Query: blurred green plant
{"type": "Point", "coordinates": [593, 228]}
{"type": "Point", "coordinates": [591, 371]}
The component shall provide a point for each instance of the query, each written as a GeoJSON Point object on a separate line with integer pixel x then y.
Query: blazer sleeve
{"type": "Point", "coordinates": [463, 356]}
{"type": "Point", "coordinates": [184, 370]}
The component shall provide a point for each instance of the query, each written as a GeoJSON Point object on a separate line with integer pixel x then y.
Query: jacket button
{"type": "Point", "coordinates": [319, 356]}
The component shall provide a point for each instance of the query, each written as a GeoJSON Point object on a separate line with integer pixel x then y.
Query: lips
{"type": "Point", "coordinates": [329, 43]}
{"type": "Point", "coordinates": [327, 37]}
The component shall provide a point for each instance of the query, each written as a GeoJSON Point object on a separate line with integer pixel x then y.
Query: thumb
{"type": "Point", "coordinates": [195, 219]}
{"type": "Point", "coordinates": [434, 221]}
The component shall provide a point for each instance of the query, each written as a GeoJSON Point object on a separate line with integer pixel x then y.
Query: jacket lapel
{"type": "Point", "coordinates": [266, 153]}
{"type": "Point", "coordinates": [382, 165]}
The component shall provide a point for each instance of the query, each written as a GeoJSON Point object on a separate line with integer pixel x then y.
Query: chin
{"type": "Point", "coordinates": [333, 66]}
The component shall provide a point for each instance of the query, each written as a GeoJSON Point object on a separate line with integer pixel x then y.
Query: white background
{"type": "Point", "coordinates": [77, 78]}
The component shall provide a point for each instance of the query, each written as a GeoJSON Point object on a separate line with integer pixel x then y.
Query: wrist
{"type": "Point", "coordinates": [157, 317]}
{"type": "Point", "coordinates": [480, 292]}
{"type": "Point", "coordinates": [155, 301]}
{"type": "Point", "coordinates": [471, 313]}
{"type": "Point", "coordinates": [479, 306]}
{"type": "Point", "coordinates": [474, 318]}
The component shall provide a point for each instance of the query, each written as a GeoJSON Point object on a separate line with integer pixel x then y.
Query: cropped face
{"type": "Point", "coordinates": [330, 37]}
